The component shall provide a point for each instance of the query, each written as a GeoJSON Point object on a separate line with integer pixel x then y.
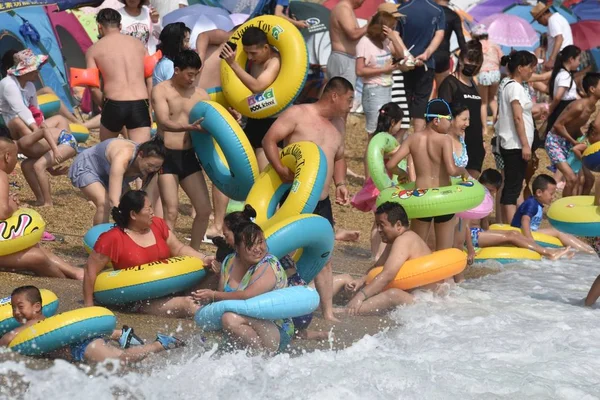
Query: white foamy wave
{"type": "Point", "coordinates": [519, 334]}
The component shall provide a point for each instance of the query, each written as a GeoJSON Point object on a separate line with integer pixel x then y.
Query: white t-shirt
{"type": "Point", "coordinates": [558, 25]}
{"type": "Point", "coordinates": [564, 79]}
{"type": "Point", "coordinates": [141, 27]}
{"type": "Point", "coordinates": [506, 130]}
{"type": "Point", "coordinates": [15, 100]}
{"type": "Point", "coordinates": [163, 7]}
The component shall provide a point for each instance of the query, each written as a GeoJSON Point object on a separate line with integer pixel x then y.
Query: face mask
{"type": "Point", "coordinates": [469, 69]}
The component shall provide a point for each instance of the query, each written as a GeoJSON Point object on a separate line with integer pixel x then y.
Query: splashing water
{"type": "Point", "coordinates": [519, 334]}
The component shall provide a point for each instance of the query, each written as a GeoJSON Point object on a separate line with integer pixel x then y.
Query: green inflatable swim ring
{"type": "Point", "coordinates": [424, 203]}
{"type": "Point", "coordinates": [381, 144]}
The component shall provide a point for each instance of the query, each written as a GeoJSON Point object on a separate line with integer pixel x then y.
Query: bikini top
{"type": "Point", "coordinates": [246, 281]}
{"type": "Point", "coordinates": [462, 160]}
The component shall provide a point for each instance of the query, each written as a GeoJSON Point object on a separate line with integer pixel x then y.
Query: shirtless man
{"type": "Point", "coordinates": [312, 122]}
{"type": "Point", "coordinates": [172, 101]}
{"type": "Point", "coordinates": [567, 129]}
{"type": "Point", "coordinates": [344, 34]}
{"type": "Point", "coordinates": [431, 152]}
{"type": "Point", "coordinates": [120, 59]}
{"type": "Point", "coordinates": [402, 245]}
{"type": "Point", "coordinates": [264, 67]}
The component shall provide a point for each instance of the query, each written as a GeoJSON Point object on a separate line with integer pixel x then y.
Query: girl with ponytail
{"type": "Point", "coordinates": [562, 87]}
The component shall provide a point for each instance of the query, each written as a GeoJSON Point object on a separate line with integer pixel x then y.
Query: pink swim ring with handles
{"type": "Point", "coordinates": [481, 211]}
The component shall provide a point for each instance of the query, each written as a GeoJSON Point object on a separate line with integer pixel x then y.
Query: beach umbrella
{"type": "Point", "coordinates": [489, 7]}
{"type": "Point", "coordinates": [510, 30]}
{"type": "Point", "coordinates": [587, 10]}
{"type": "Point", "coordinates": [585, 34]}
{"type": "Point", "coordinates": [316, 15]}
{"type": "Point", "coordinates": [238, 18]}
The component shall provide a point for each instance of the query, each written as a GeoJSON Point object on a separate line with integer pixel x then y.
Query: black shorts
{"type": "Point", "coordinates": [440, 219]}
{"type": "Point", "coordinates": [418, 85]}
{"type": "Point", "coordinates": [182, 163]}
{"type": "Point", "coordinates": [515, 169]}
{"type": "Point", "coordinates": [442, 61]}
{"type": "Point", "coordinates": [256, 129]}
{"type": "Point", "coordinates": [322, 209]}
{"type": "Point", "coordinates": [476, 153]}
{"type": "Point", "coordinates": [131, 114]}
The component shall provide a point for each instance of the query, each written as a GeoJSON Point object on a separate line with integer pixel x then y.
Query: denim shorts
{"type": "Point", "coordinates": [373, 98]}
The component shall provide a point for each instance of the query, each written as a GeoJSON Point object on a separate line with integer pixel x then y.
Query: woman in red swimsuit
{"type": "Point", "coordinates": [139, 238]}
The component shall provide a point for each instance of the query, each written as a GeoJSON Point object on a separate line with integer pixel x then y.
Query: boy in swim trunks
{"type": "Point", "coordinates": [567, 129]}
{"type": "Point", "coordinates": [477, 237]}
{"type": "Point", "coordinates": [27, 310]}
{"type": "Point", "coordinates": [46, 148]}
{"type": "Point", "coordinates": [402, 245]}
{"type": "Point", "coordinates": [530, 213]}
{"type": "Point", "coordinates": [264, 64]}
{"type": "Point", "coordinates": [433, 159]}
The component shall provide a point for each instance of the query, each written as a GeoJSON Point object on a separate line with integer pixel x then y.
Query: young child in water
{"type": "Point", "coordinates": [388, 121]}
{"type": "Point", "coordinates": [27, 310]}
{"type": "Point", "coordinates": [530, 213]}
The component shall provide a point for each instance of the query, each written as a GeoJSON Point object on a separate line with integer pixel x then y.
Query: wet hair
{"type": "Point", "coordinates": [563, 56]}
{"type": "Point", "coordinates": [132, 201]}
{"type": "Point", "coordinates": [378, 21]}
{"type": "Point", "coordinates": [254, 36]}
{"type": "Point", "coordinates": [246, 234]}
{"type": "Point", "coordinates": [31, 293]}
{"type": "Point", "coordinates": [152, 148]}
{"type": "Point", "coordinates": [187, 59]}
{"type": "Point", "coordinates": [389, 114]}
{"type": "Point", "coordinates": [457, 109]}
{"type": "Point", "coordinates": [395, 212]}
{"type": "Point", "coordinates": [590, 80]}
{"type": "Point", "coordinates": [235, 219]}
{"type": "Point", "coordinates": [517, 59]}
{"type": "Point", "coordinates": [541, 182]}
{"type": "Point", "coordinates": [223, 249]}
{"type": "Point", "coordinates": [473, 53]}
{"type": "Point", "coordinates": [491, 177]}
{"type": "Point", "coordinates": [109, 18]}
{"type": "Point", "coordinates": [171, 39]}
{"type": "Point", "coordinates": [339, 85]}
{"type": "Point", "coordinates": [8, 61]}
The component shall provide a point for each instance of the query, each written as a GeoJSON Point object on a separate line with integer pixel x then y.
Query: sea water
{"type": "Point", "coordinates": [519, 334]}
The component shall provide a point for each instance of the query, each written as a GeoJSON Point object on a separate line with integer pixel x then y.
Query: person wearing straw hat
{"type": "Point", "coordinates": [19, 109]}
{"type": "Point", "coordinates": [559, 31]}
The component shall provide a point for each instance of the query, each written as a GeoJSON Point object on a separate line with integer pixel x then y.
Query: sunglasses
{"type": "Point", "coordinates": [448, 117]}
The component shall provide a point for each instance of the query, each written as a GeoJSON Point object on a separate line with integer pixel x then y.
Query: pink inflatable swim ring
{"type": "Point", "coordinates": [481, 211]}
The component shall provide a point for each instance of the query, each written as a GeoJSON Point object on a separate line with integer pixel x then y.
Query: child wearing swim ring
{"type": "Point", "coordinates": [388, 121]}
{"type": "Point", "coordinates": [27, 310]}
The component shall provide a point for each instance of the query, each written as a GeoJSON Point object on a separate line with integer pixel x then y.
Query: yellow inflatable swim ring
{"type": "Point", "coordinates": [7, 321]}
{"type": "Point", "coordinates": [288, 40]}
{"type": "Point", "coordinates": [24, 229]}
{"type": "Point", "coordinates": [424, 270]}
{"type": "Point", "coordinates": [577, 215]}
{"type": "Point", "coordinates": [79, 132]}
{"type": "Point", "coordinates": [541, 238]}
{"type": "Point", "coordinates": [506, 255]}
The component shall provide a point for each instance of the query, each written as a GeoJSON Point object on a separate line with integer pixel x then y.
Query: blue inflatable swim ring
{"type": "Point", "coordinates": [91, 237]}
{"type": "Point", "coordinates": [290, 302]}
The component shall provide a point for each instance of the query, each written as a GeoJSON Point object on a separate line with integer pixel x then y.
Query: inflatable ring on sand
{"type": "Point", "coordinates": [591, 157]}
{"type": "Point", "coordinates": [380, 145]}
{"type": "Point", "coordinates": [506, 255]}
{"type": "Point", "coordinates": [425, 270]}
{"type": "Point", "coordinates": [89, 77]}
{"type": "Point", "coordinates": [24, 229]}
{"type": "Point", "coordinates": [481, 211]}
{"type": "Point", "coordinates": [290, 302]}
{"type": "Point", "coordinates": [8, 323]}
{"type": "Point", "coordinates": [216, 94]}
{"type": "Point", "coordinates": [232, 167]}
{"type": "Point", "coordinates": [424, 203]}
{"type": "Point", "coordinates": [63, 330]}
{"type": "Point", "coordinates": [308, 162]}
{"type": "Point", "coordinates": [310, 233]}
{"type": "Point", "coordinates": [540, 238]}
{"type": "Point", "coordinates": [576, 215]}
{"type": "Point", "coordinates": [49, 104]}
{"type": "Point", "coordinates": [80, 132]}
{"type": "Point", "coordinates": [148, 281]}
{"type": "Point", "coordinates": [289, 82]}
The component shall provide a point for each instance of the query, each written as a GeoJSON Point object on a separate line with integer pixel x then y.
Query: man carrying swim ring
{"type": "Point", "coordinates": [125, 91]}
{"type": "Point", "coordinates": [263, 67]}
{"type": "Point", "coordinates": [139, 238]}
{"type": "Point", "coordinates": [402, 245]}
{"type": "Point", "coordinates": [35, 259]}
{"type": "Point", "coordinates": [312, 122]}
{"type": "Point", "coordinates": [27, 310]}
{"type": "Point", "coordinates": [247, 273]}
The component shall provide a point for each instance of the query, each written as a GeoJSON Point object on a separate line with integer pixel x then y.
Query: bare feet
{"type": "Point", "coordinates": [555, 254]}
{"type": "Point", "coordinates": [345, 235]}
{"type": "Point", "coordinates": [306, 334]}
{"type": "Point", "coordinates": [212, 232]}
{"type": "Point", "coordinates": [340, 310]}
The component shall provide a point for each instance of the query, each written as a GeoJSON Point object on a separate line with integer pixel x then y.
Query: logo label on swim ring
{"type": "Point", "coordinates": [260, 101]}
{"type": "Point", "coordinates": [296, 152]}
{"type": "Point", "coordinates": [276, 31]}
{"type": "Point", "coordinates": [10, 232]}
{"type": "Point", "coordinates": [295, 186]}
